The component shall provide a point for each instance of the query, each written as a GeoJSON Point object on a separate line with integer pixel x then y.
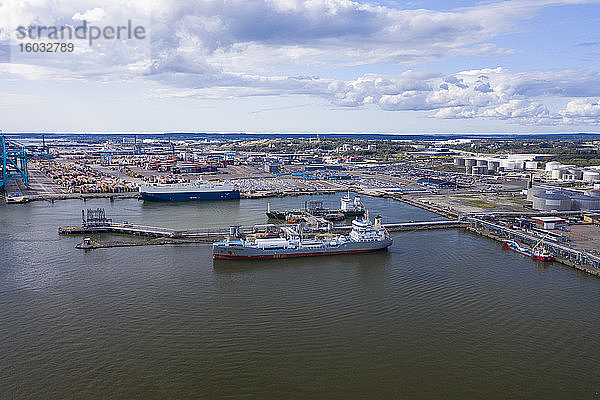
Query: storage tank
{"type": "Point", "coordinates": [532, 191]}
{"type": "Point", "coordinates": [576, 173]}
{"type": "Point", "coordinates": [493, 165]}
{"type": "Point", "coordinates": [531, 165]}
{"type": "Point", "coordinates": [591, 175]}
{"type": "Point", "coordinates": [459, 161]}
{"type": "Point", "coordinates": [551, 202]}
{"type": "Point", "coordinates": [552, 165]}
{"type": "Point", "coordinates": [585, 203]}
{"type": "Point", "coordinates": [557, 173]}
{"type": "Point", "coordinates": [469, 162]}
{"type": "Point", "coordinates": [520, 164]}
{"type": "Point", "coordinates": [508, 165]}
{"type": "Point", "coordinates": [480, 170]}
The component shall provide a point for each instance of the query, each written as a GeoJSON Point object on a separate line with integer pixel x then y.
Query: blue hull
{"type": "Point", "coordinates": [192, 196]}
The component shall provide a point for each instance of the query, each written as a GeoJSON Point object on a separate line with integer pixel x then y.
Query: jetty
{"type": "Point", "coordinates": [564, 254]}
{"type": "Point", "coordinates": [94, 221]}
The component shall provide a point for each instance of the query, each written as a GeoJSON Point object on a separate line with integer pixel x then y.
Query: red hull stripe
{"type": "Point", "coordinates": [264, 256]}
{"type": "Point", "coordinates": [540, 258]}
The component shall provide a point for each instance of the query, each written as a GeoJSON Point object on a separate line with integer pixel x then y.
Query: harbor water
{"type": "Point", "coordinates": [441, 314]}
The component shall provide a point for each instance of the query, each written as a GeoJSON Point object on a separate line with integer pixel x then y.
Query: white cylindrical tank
{"type": "Point", "coordinates": [479, 170]}
{"type": "Point", "coordinates": [493, 165]}
{"type": "Point", "coordinates": [576, 173]}
{"type": "Point", "coordinates": [591, 175]}
{"type": "Point", "coordinates": [557, 173]}
{"type": "Point", "coordinates": [508, 165]}
{"type": "Point", "coordinates": [531, 165]}
{"type": "Point", "coordinates": [520, 164]}
{"type": "Point", "coordinates": [552, 165]}
{"type": "Point", "coordinates": [459, 161]}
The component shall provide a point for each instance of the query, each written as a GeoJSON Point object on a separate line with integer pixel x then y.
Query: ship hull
{"type": "Point", "coordinates": [246, 253]}
{"type": "Point", "coordinates": [282, 214]}
{"type": "Point", "coordinates": [528, 254]}
{"type": "Point", "coordinates": [191, 196]}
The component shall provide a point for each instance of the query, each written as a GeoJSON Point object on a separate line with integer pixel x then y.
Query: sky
{"type": "Point", "coordinates": [422, 66]}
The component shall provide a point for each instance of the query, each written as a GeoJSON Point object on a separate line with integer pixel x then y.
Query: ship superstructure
{"type": "Point", "coordinates": [349, 207]}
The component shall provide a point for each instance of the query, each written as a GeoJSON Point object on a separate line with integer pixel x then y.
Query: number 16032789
{"type": "Point", "coordinates": [47, 47]}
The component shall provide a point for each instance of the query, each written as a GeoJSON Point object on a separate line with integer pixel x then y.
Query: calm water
{"type": "Point", "coordinates": [442, 314]}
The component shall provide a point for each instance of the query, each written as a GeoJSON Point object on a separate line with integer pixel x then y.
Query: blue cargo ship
{"type": "Point", "coordinates": [190, 192]}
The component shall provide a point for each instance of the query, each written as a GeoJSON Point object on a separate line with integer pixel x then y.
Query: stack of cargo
{"type": "Point", "coordinates": [81, 178]}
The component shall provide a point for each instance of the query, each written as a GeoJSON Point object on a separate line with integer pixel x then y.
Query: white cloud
{"type": "Point", "coordinates": [94, 15]}
{"type": "Point", "coordinates": [524, 111]}
{"type": "Point", "coordinates": [234, 48]}
{"type": "Point", "coordinates": [581, 111]}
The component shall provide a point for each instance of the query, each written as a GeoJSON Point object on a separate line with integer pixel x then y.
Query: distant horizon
{"type": "Point", "coordinates": [310, 134]}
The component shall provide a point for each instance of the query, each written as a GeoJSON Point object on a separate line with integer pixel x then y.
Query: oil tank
{"type": "Point", "coordinates": [493, 165]}
{"type": "Point", "coordinates": [520, 164]}
{"type": "Point", "coordinates": [576, 173]}
{"type": "Point", "coordinates": [551, 202]}
{"type": "Point", "coordinates": [531, 165]}
{"type": "Point", "coordinates": [557, 173]}
{"type": "Point", "coordinates": [552, 165]}
{"type": "Point", "coordinates": [591, 175]}
{"type": "Point", "coordinates": [459, 161]}
{"type": "Point", "coordinates": [508, 165]}
{"type": "Point", "coordinates": [480, 170]}
{"type": "Point", "coordinates": [531, 192]}
{"type": "Point", "coordinates": [585, 203]}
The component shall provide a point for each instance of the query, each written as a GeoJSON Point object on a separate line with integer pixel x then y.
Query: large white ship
{"type": "Point", "coordinates": [364, 237]}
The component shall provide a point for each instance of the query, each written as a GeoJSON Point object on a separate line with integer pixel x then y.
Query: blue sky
{"type": "Point", "coordinates": [383, 66]}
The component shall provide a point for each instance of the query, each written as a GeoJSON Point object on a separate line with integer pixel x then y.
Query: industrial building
{"type": "Point", "coordinates": [548, 222]}
{"type": "Point", "coordinates": [437, 183]}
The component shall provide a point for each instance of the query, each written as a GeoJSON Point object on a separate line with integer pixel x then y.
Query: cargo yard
{"type": "Point", "coordinates": [451, 178]}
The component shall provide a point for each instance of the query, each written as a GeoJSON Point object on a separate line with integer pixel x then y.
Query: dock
{"type": "Point", "coordinates": [96, 222]}
{"type": "Point", "coordinates": [574, 258]}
